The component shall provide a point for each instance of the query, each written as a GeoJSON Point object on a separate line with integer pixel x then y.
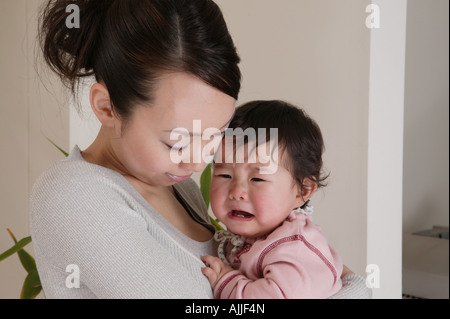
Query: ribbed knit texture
{"type": "Point", "coordinates": [354, 287]}
{"type": "Point", "coordinates": [89, 216]}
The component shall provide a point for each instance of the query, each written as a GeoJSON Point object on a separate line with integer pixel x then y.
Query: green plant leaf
{"type": "Point", "coordinates": [31, 286]}
{"type": "Point", "coordinates": [205, 183]}
{"type": "Point", "coordinates": [12, 235]}
{"type": "Point", "coordinates": [215, 223]}
{"type": "Point", "coordinates": [14, 249]}
{"type": "Point", "coordinates": [59, 148]}
{"type": "Point", "coordinates": [26, 259]}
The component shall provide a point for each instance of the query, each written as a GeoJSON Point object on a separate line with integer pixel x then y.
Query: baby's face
{"type": "Point", "coordinates": [251, 200]}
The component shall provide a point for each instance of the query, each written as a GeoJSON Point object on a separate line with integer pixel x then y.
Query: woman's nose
{"type": "Point", "coordinates": [195, 167]}
{"type": "Point", "coordinates": [238, 192]}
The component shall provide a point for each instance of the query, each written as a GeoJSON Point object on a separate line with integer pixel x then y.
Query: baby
{"type": "Point", "coordinates": [271, 248]}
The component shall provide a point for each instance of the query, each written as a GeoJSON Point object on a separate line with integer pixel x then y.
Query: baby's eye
{"type": "Point", "coordinates": [224, 175]}
{"type": "Point", "coordinates": [256, 179]}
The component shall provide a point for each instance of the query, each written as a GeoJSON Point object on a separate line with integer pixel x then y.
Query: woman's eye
{"type": "Point", "coordinates": [256, 179]}
{"type": "Point", "coordinates": [175, 149]}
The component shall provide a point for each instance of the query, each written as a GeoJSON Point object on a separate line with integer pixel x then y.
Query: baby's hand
{"type": "Point", "coordinates": [215, 269]}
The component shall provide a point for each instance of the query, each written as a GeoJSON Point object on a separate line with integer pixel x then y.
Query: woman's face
{"type": "Point", "coordinates": [144, 149]}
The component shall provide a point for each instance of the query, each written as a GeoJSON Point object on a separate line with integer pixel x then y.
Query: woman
{"type": "Point", "coordinates": [130, 220]}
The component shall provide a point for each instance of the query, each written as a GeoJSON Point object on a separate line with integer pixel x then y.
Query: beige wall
{"type": "Point", "coordinates": [28, 114]}
{"type": "Point", "coordinates": [316, 54]}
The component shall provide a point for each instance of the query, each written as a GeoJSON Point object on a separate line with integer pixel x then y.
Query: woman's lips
{"type": "Point", "coordinates": [240, 215]}
{"type": "Point", "coordinates": [178, 179]}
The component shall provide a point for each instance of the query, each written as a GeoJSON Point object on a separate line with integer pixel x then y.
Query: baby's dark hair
{"type": "Point", "coordinates": [299, 136]}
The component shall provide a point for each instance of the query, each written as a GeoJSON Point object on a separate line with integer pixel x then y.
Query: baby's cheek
{"type": "Point", "coordinates": [266, 210]}
{"type": "Point", "coordinates": [217, 201]}
{"type": "Point", "coordinates": [261, 203]}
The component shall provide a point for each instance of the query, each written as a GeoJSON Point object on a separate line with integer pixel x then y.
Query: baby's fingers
{"type": "Point", "coordinates": [211, 275]}
{"type": "Point", "coordinates": [213, 262]}
{"type": "Point", "coordinates": [212, 270]}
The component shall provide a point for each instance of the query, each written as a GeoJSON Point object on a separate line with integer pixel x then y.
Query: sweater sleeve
{"type": "Point", "coordinates": [353, 287]}
{"type": "Point", "coordinates": [89, 223]}
{"type": "Point", "coordinates": [272, 286]}
{"type": "Point", "coordinates": [291, 270]}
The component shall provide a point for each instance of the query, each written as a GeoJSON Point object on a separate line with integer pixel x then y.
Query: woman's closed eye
{"type": "Point", "coordinates": [175, 149]}
{"type": "Point", "coordinates": [224, 175]}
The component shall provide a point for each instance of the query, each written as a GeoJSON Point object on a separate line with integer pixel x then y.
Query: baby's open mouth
{"type": "Point", "coordinates": [240, 214]}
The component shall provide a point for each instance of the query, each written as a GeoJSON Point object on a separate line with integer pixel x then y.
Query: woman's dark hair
{"type": "Point", "coordinates": [129, 44]}
{"type": "Point", "coordinates": [299, 136]}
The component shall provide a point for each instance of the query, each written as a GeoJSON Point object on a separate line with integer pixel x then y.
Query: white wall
{"type": "Point", "coordinates": [426, 164]}
{"type": "Point", "coordinates": [84, 125]}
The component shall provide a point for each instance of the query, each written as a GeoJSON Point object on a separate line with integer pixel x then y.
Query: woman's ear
{"type": "Point", "coordinates": [305, 191]}
{"type": "Point", "coordinates": [101, 105]}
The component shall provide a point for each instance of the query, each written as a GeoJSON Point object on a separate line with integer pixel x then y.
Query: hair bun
{"type": "Point", "coordinates": [70, 51]}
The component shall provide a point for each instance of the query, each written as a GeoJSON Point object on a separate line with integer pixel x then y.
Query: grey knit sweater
{"type": "Point", "coordinates": [90, 226]}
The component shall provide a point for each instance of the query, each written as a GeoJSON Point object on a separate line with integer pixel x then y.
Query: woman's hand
{"type": "Point", "coordinates": [215, 269]}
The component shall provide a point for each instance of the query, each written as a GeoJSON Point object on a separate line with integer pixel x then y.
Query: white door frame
{"type": "Point", "coordinates": [385, 157]}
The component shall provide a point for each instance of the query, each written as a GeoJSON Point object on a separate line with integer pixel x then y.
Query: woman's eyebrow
{"type": "Point", "coordinates": [183, 131]}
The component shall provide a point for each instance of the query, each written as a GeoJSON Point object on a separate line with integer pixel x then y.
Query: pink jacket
{"type": "Point", "coordinates": [293, 262]}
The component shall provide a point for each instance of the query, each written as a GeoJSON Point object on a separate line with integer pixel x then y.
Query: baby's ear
{"type": "Point", "coordinates": [305, 191]}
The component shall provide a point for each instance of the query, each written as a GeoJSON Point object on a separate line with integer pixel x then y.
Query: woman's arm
{"type": "Point", "coordinates": [87, 222]}
{"type": "Point", "coordinates": [353, 287]}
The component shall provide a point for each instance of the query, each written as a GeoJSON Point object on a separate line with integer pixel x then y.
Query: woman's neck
{"type": "Point", "coordinates": [101, 153]}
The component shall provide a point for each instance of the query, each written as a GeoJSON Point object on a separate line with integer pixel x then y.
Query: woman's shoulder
{"type": "Point", "coordinates": [74, 172]}
{"type": "Point", "coordinates": [74, 194]}
{"type": "Point", "coordinates": [70, 184]}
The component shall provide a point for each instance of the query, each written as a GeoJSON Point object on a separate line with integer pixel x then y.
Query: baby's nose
{"type": "Point", "coordinates": [238, 192]}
